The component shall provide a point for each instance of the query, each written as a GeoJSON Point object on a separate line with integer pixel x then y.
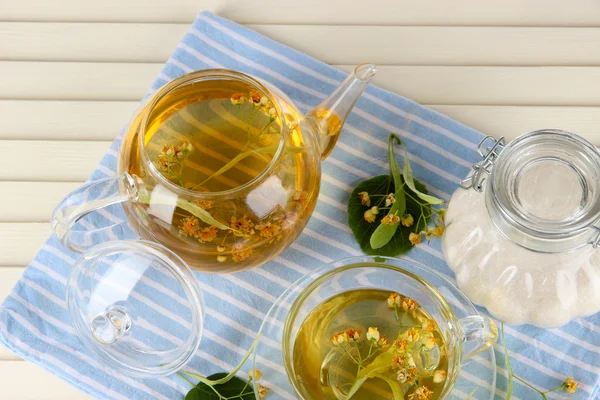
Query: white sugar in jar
{"type": "Point", "coordinates": [523, 242]}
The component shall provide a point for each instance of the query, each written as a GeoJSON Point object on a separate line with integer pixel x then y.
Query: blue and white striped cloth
{"type": "Point", "coordinates": [34, 321]}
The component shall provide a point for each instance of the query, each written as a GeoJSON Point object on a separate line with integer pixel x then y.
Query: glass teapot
{"type": "Point", "coordinates": [217, 166]}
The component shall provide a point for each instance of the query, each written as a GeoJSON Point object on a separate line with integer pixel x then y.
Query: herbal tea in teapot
{"type": "Point", "coordinates": [217, 166]}
{"type": "Point", "coordinates": [367, 344]}
{"type": "Point", "coordinates": [214, 140]}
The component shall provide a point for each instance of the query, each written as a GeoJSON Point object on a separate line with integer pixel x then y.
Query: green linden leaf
{"type": "Point", "coordinates": [394, 385]}
{"type": "Point", "coordinates": [190, 207]}
{"type": "Point", "coordinates": [237, 159]}
{"type": "Point", "coordinates": [394, 167]}
{"type": "Point", "coordinates": [381, 363]}
{"type": "Point", "coordinates": [384, 233]}
{"type": "Point", "coordinates": [235, 387]}
{"type": "Point", "coordinates": [201, 213]}
{"type": "Point", "coordinates": [411, 183]}
{"type": "Point", "coordinates": [362, 230]}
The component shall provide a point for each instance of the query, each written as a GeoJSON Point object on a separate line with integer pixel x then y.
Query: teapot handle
{"type": "Point", "coordinates": [477, 334]}
{"type": "Point", "coordinates": [86, 199]}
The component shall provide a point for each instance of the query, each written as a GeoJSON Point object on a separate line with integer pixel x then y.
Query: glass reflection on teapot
{"type": "Point", "coordinates": [219, 167]}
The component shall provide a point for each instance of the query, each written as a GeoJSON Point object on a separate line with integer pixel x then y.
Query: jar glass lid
{"type": "Point", "coordinates": [137, 306]}
{"type": "Point", "coordinates": [546, 190]}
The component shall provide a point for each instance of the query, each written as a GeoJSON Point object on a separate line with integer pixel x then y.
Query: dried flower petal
{"type": "Point", "coordinates": [390, 199]}
{"type": "Point", "coordinates": [439, 376]}
{"type": "Point", "coordinates": [353, 334]}
{"type": "Point", "coordinates": [570, 386]}
{"type": "Point", "coordinates": [339, 338]}
{"type": "Point", "coordinates": [429, 341]}
{"type": "Point", "coordinates": [441, 215]}
{"type": "Point", "coordinates": [393, 300]}
{"type": "Point", "coordinates": [429, 325]}
{"type": "Point", "coordinates": [207, 234]}
{"type": "Point", "coordinates": [421, 393]}
{"type": "Point", "coordinates": [262, 390]}
{"type": "Point", "coordinates": [369, 216]}
{"type": "Point", "coordinates": [401, 345]}
{"type": "Point", "coordinates": [409, 304]}
{"type": "Point", "coordinates": [205, 204]}
{"type": "Point", "coordinates": [407, 220]}
{"type": "Point", "coordinates": [414, 238]}
{"type": "Point", "coordinates": [255, 97]}
{"type": "Point", "coordinates": [268, 230]}
{"type": "Point", "coordinates": [241, 226]}
{"type": "Point", "coordinates": [437, 231]}
{"type": "Point", "coordinates": [299, 199]}
{"type": "Point", "coordinates": [254, 374]}
{"type": "Point", "coordinates": [382, 342]}
{"type": "Point", "coordinates": [412, 335]}
{"type": "Point", "coordinates": [390, 219]}
{"type": "Point", "coordinates": [190, 226]}
{"type": "Point", "coordinates": [240, 252]}
{"type": "Point", "coordinates": [373, 334]}
{"type": "Point", "coordinates": [238, 98]}
{"type": "Point", "coordinates": [398, 360]}
{"type": "Point", "coordinates": [364, 199]}
{"type": "Point", "coordinates": [407, 375]}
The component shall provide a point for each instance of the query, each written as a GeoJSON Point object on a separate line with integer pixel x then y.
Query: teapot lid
{"type": "Point", "coordinates": [137, 306]}
{"type": "Point", "coordinates": [544, 192]}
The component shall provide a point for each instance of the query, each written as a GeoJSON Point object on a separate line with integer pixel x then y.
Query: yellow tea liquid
{"type": "Point", "coordinates": [220, 127]}
{"type": "Point", "coordinates": [218, 137]}
{"type": "Point", "coordinates": [414, 351]}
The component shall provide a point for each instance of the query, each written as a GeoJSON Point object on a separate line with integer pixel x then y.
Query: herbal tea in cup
{"type": "Point", "coordinates": [370, 328]}
{"type": "Point", "coordinates": [371, 342]}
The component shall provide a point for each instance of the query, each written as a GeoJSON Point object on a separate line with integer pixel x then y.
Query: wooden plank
{"type": "Point", "coordinates": [82, 81]}
{"type": "Point", "coordinates": [512, 121]}
{"type": "Point", "coordinates": [49, 160]}
{"type": "Point", "coordinates": [64, 120]}
{"type": "Point", "coordinates": [6, 354]}
{"type": "Point", "coordinates": [27, 381]}
{"type": "Point", "coordinates": [115, 42]}
{"type": "Point", "coordinates": [428, 45]}
{"type": "Point", "coordinates": [20, 242]}
{"type": "Point", "coordinates": [547, 86]}
{"type": "Point", "coordinates": [383, 12]}
{"type": "Point", "coordinates": [425, 84]}
{"type": "Point", "coordinates": [101, 120]}
{"type": "Point", "coordinates": [32, 201]}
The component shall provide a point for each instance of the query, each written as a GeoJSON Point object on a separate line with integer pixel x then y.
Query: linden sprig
{"type": "Point", "coordinates": [389, 214]}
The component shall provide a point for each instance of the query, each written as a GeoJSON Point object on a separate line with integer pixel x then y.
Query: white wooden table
{"type": "Point", "coordinates": [72, 71]}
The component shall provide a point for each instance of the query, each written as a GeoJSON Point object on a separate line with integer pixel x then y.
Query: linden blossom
{"type": "Point", "coordinates": [375, 356]}
{"type": "Point", "coordinates": [388, 213]}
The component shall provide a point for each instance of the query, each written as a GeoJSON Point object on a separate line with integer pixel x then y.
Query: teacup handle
{"type": "Point", "coordinates": [86, 199]}
{"type": "Point", "coordinates": [478, 333]}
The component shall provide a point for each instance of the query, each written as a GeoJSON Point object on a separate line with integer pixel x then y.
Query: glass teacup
{"type": "Point", "coordinates": [466, 335]}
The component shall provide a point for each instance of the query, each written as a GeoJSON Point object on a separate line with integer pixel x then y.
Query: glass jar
{"type": "Point", "coordinates": [522, 230]}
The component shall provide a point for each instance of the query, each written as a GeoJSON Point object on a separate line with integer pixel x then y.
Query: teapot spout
{"type": "Point", "coordinates": [327, 118]}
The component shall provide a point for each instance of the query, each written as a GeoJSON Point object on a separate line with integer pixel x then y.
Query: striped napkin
{"type": "Point", "coordinates": [34, 321]}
